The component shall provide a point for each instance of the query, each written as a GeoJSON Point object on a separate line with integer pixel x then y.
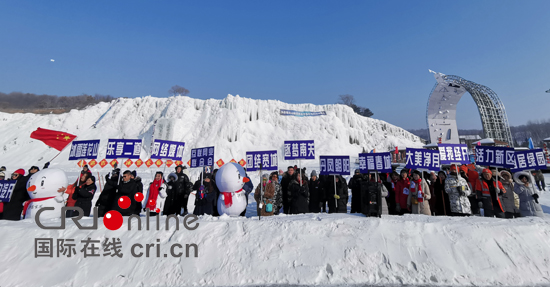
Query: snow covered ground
{"type": "Point", "coordinates": [310, 249]}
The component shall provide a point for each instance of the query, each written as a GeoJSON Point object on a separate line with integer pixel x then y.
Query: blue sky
{"type": "Point", "coordinates": [293, 51]}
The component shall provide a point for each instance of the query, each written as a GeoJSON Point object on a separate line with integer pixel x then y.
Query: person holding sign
{"type": "Point", "coordinates": [14, 208]}
{"type": "Point", "coordinates": [419, 194]}
{"type": "Point", "coordinates": [528, 197]}
{"type": "Point", "coordinates": [488, 192]}
{"type": "Point", "coordinates": [341, 195]}
{"type": "Point", "coordinates": [298, 194]}
{"type": "Point", "coordinates": [458, 190]}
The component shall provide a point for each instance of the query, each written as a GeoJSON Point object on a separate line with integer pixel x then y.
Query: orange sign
{"type": "Point", "coordinates": [92, 163]}
{"type": "Point", "coordinates": [242, 162]}
{"type": "Point", "coordinates": [81, 163]}
{"type": "Point", "coordinates": [178, 162]}
{"type": "Point", "coordinates": [169, 163]}
{"type": "Point", "coordinates": [128, 163]}
{"type": "Point", "coordinates": [103, 163]}
{"type": "Point", "coordinates": [149, 163]}
{"type": "Point", "coordinates": [113, 163]}
{"type": "Point", "coordinates": [220, 162]}
{"type": "Point", "coordinates": [158, 163]}
{"type": "Point", "coordinates": [138, 162]}
{"type": "Point", "coordinates": [189, 163]}
{"type": "Point", "coordinates": [233, 160]}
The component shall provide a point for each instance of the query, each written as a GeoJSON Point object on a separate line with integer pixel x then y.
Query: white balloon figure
{"type": "Point", "coordinates": [46, 189]}
{"type": "Point", "coordinates": [230, 180]}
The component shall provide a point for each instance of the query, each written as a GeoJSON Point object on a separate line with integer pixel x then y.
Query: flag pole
{"type": "Point", "coordinates": [62, 150]}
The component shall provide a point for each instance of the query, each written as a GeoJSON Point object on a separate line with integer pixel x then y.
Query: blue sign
{"type": "Point", "coordinates": [122, 148]}
{"type": "Point", "coordinates": [167, 150]}
{"type": "Point", "coordinates": [299, 150]}
{"type": "Point", "coordinates": [84, 150]}
{"type": "Point", "coordinates": [495, 156]}
{"type": "Point", "coordinates": [267, 160]}
{"type": "Point", "coordinates": [380, 162]}
{"type": "Point", "coordinates": [6, 189]}
{"type": "Point", "coordinates": [202, 157]}
{"type": "Point", "coordinates": [529, 159]}
{"type": "Point", "coordinates": [453, 153]}
{"type": "Point", "coordinates": [418, 158]}
{"type": "Point", "coordinates": [302, 114]}
{"type": "Point", "coordinates": [332, 165]}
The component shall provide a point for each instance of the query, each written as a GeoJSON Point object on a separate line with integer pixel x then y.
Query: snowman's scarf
{"type": "Point", "coordinates": [228, 197]}
{"type": "Point", "coordinates": [416, 188]}
{"type": "Point", "coordinates": [28, 202]}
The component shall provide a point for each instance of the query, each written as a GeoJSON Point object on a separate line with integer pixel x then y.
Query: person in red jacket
{"type": "Point", "coordinates": [488, 192]}
{"type": "Point", "coordinates": [402, 193]}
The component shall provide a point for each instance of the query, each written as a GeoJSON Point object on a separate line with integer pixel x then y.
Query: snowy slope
{"type": "Point", "coordinates": [233, 125]}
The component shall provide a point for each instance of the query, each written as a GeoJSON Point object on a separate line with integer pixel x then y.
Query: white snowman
{"type": "Point", "coordinates": [230, 180]}
{"type": "Point", "coordinates": [46, 189]}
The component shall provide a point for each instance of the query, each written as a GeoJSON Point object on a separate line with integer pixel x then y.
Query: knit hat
{"type": "Point", "coordinates": [313, 173]}
{"type": "Point", "coordinates": [464, 168]}
{"type": "Point", "coordinates": [265, 176]}
{"type": "Point", "coordinates": [486, 170]}
{"type": "Point", "coordinates": [453, 168]}
{"type": "Point", "coordinates": [20, 171]}
{"type": "Point", "coordinates": [2, 174]}
{"type": "Point", "coordinates": [134, 173]}
{"type": "Point", "coordinates": [357, 171]}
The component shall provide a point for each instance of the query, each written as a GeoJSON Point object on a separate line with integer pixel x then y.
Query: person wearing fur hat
{"type": "Point", "coordinates": [510, 199]}
{"type": "Point", "coordinates": [528, 197]}
{"type": "Point", "coordinates": [488, 194]}
{"type": "Point", "coordinates": [265, 197]}
{"type": "Point", "coordinates": [458, 190]}
{"type": "Point", "coordinates": [13, 209]}
{"type": "Point", "coordinates": [156, 195]}
{"type": "Point", "coordinates": [419, 194]}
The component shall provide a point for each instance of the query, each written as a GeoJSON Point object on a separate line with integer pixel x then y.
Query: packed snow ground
{"type": "Point", "coordinates": [310, 249]}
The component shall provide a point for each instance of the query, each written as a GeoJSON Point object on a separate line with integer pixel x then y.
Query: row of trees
{"type": "Point", "coordinates": [28, 101]}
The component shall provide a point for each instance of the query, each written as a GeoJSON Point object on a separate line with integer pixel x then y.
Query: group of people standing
{"type": "Point", "coordinates": [459, 191]}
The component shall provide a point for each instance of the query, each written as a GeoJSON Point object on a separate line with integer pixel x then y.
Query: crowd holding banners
{"type": "Point", "coordinates": [466, 189]}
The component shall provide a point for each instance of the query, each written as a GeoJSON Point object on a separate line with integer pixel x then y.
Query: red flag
{"type": "Point", "coordinates": [55, 139]}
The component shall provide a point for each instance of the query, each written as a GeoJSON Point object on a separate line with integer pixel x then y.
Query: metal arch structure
{"type": "Point", "coordinates": [441, 110]}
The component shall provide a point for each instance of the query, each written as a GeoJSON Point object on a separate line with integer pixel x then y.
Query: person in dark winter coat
{"type": "Point", "coordinates": [14, 208]}
{"type": "Point", "coordinates": [183, 188]}
{"type": "Point", "coordinates": [323, 197]}
{"type": "Point", "coordinates": [171, 205]}
{"type": "Point", "coordinates": [442, 204]}
{"type": "Point", "coordinates": [315, 192]}
{"type": "Point", "coordinates": [287, 178]}
{"type": "Point", "coordinates": [216, 191]}
{"type": "Point", "coordinates": [34, 169]}
{"type": "Point", "coordinates": [139, 184]}
{"type": "Point", "coordinates": [355, 185]}
{"type": "Point", "coordinates": [389, 183]}
{"type": "Point", "coordinates": [127, 187]}
{"type": "Point", "coordinates": [488, 193]}
{"type": "Point", "coordinates": [84, 195]}
{"type": "Point", "coordinates": [510, 199]}
{"type": "Point", "coordinates": [107, 197]}
{"type": "Point", "coordinates": [205, 197]}
{"type": "Point", "coordinates": [298, 193]}
{"type": "Point", "coordinates": [337, 200]}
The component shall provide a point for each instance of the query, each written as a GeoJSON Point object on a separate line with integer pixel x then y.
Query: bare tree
{"type": "Point", "coordinates": [347, 100]}
{"type": "Point", "coordinates": [177, 90]}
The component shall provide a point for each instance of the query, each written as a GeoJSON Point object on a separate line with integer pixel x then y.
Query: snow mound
{"type": "Point", "coordinates": [311, 249]}
{"type": "Point", "coordinates": [233, 125]}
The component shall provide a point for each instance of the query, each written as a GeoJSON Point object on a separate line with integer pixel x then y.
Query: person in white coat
{"type": "Point", "coordinates": [156, 194]}
{"type": "Point", "coordinates": [528, 197]}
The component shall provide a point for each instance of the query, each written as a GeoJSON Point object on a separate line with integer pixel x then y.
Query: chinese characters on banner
{"type": "Point", "coordinates": [267, 160]}
{"type": "Point", "coordinates": [529, 159]}
{"type": "Point", "coordinates": [167, 150]}
{"type": "Point", "coordinates": [202, 157]}
{"type": "Point", "coordinates": [299, 150]}
{"type": "Point", "coordinates": [453, 153]}
{"type": "Point", "coordinates": [380, 162]}
{"type": "Point", "coordinates": [84, 150]}
{"type": "Point", "coordinates": [6, 189]}
{"type": "Point", "coordinates": [122, 148]}
{"type": "Point", "coordinates": [495, 156]}
{"type": "Point", "coordinates": [422, 159]}
{"type": "Point", "coordinates": [332, 165]}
